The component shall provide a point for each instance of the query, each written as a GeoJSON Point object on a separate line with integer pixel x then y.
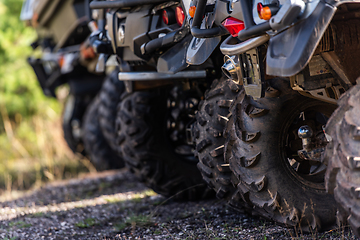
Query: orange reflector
{"type": "Point", "coordinates": [192, 11]}
{"type": "Point", "coordinates": [87, 52]}
{"type": "Point", "coordinates": [34, 20]}
{"type": "Point", "coordinates": [233, 25]}
{"type": "Point", "coordinates": [264, 12]}
{"type": "Point", "coordinates": [61, 61]}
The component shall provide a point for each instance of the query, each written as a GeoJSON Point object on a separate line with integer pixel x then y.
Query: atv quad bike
{"type": "Point", "coordinates": [294, 59]}
{"type": "Point", "coordinates": [154, 116]}
{"type": "Point", "coordinates": [67, 58]}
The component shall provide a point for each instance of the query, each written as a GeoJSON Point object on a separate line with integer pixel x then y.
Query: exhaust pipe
{"type": "Point", "coordinates": [231, 68]}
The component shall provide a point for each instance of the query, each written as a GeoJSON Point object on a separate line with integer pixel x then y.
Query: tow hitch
{"type": "Point", "coordinates": [312, 148]}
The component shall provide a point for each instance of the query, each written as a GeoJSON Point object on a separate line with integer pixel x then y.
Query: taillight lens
{"type": "Point", "coordinates": [233, 25]}
{"type": "Point", "coordinates": [180, 16]}
{"type": "Point", "coordinates": [259, 7]}
{"type": "Point", "coordinates": [165, 17]}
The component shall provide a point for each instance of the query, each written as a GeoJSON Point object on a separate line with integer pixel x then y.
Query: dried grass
{"type": "Point", "coordinates": [34, 151]}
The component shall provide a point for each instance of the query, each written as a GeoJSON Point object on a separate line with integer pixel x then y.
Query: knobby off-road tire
{"type": "Point", "coordinates": [74, 109]}
{"type": "Point", "coordinates": [99, 151]}
{"type": "Point", "coordinates": [262, 143]}
{"type": "Point", "coordinates": [110, 95]}
{"type": "Point", "coordinates": [147, 151]}
{"type": "Point", "coordinates": [343, 154]}
{"type": "Point", "coordinates": [208, 130]}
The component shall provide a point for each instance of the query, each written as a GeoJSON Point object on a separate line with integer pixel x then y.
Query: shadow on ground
{"type": "Point", "coordinates": [112, 205]}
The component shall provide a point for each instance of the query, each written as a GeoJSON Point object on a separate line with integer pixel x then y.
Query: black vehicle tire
{"type": "Point", "coordinates": [263, 142]}
{"type": "Point", "coordinates": [208, 131]}
{"type": "Point", "coordinates": [110, 95]}
{"type": "Point", "coordinates": [99, 151]}
{"type": "Point", "coordinates": [342, 153]}
{"type": "Point", "coordinates": [72, 115]}
{"type": "Point", "coordinates": [143, 139]}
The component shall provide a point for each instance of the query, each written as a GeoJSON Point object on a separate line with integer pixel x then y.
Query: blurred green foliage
{"type": "Point", "coordinates": [19, 91]}
{"type": "Point", "coordinates": [31, 143]}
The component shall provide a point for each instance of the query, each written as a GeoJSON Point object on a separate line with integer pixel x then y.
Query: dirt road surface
{"type": "Point", "coordinates": [113, 205]}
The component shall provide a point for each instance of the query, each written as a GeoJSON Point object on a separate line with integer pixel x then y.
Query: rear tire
{"type": "Point", "coordinates": [263, 146]}
{"type": "Point", "coordinates": [342, 153]}
{"type": "Point", "coordinates": [208, 129]}
{"type": "Point", "coordinates": [148, 152]}
{"type": "Point", "coordinates": [110, 96]}
{"type": "Point", "coordinates": [101, 155]}
{"type": "Point", "coordinates": [73, 113]}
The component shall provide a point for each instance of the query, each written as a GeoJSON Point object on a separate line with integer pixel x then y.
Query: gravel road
{"type": "Point", "coordinates": [112, 205]}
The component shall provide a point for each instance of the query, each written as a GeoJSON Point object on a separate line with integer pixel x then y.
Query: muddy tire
{"type": "Point", "coordinates": [342, 154]}
{"type": "Point", "coordinates": [143, 139]}
{"type": "Point", "coordinates": [208, 130]}
{"type": "Point", "coordinates": [110, 96]}
{"type": "Point", "coordinates": [101, 155]}
{"type": "Point", "coordinates": [261, 149]}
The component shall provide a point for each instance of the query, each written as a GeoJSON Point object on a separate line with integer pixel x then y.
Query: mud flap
{"type": "Point", "coordinates": [290, 51]}
{"type": "Point", "coordinates": [47, 82]}
{"type": "Point", "coordinates": [200, 50]}
{"type": "Point", "coordinates": [174, 60]}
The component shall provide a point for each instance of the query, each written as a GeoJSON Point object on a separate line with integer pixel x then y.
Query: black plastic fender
{"type": "Point", "coordinates": [290, 51]}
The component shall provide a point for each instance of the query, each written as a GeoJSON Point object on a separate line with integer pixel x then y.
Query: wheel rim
{"type": "Point", "coordinates": [182, 106]}
{"type": "Point", "coordinates": [315, 115]}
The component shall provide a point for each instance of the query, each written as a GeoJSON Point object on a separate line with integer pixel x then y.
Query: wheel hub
{"type": "Point", "coordinates": [182, 106]}
{"type": "Point", "coordinates": [306, 143]}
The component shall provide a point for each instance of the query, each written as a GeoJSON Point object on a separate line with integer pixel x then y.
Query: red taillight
{"type": "Point", "coordinates": [233, 25]}
{"type": "Point", "coordinates": [180, 16]}
{"type": "Point", "coordinates": [165, 17]}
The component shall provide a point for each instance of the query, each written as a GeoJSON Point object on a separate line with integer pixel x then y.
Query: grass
{"type": "Point", "coordinates": [141, 220]}
{"type": "Point", "coordinates": [37, 215]}
{"type": "Point", "coordinates": [88, 222]}
{"type": "Point", "coordinates": [30, 154]}
{"type": "Point", "coordinates": [20, 224]}
{"type": "Point", "coordinates": [32, 148]}
{"type": "Point", "coordinates": [157, 232]}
